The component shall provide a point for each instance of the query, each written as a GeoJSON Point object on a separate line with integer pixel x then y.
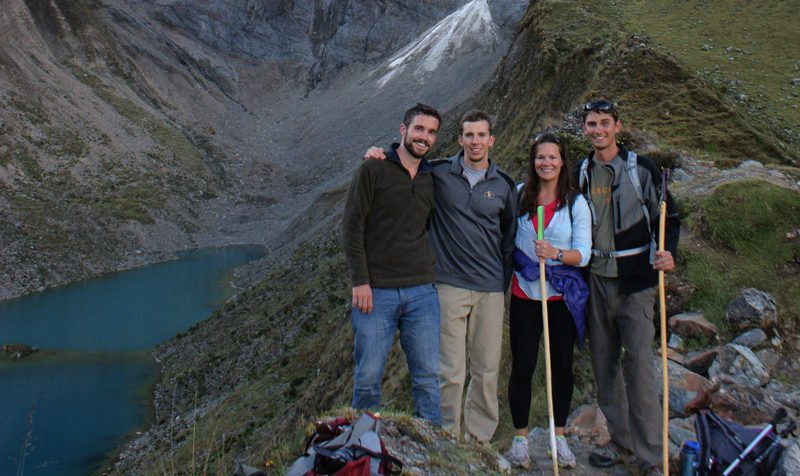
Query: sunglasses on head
{"type": "Point", "coordinates": [546, 137]}
{"type": "Point", "coordinates": [601, 105]}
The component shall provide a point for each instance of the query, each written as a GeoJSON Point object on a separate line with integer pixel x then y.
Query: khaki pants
{"type": "Point", "coordinates": [621, 335]}
{"type": "Point", "coordinates": [472, 328]}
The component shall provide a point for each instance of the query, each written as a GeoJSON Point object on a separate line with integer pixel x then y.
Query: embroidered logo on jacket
{"type": "Point", "coordinates": [488, 194]}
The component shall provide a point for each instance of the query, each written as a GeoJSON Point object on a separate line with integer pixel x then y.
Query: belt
{"type": "Point", "coordinates": [620, 253]}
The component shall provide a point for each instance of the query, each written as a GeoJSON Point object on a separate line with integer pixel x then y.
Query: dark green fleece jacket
{"type": "Point", "coordinates": [385, 226]}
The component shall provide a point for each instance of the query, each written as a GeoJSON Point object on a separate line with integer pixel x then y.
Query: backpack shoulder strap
{"type": "Point", "coordinates": [583, 174]}
{"type": "Point", "coordinates": [631, 164]}
{"type": "Point", "coordinates": [583, 178]}
{"type": "Point", "coordinates": [704, 435]}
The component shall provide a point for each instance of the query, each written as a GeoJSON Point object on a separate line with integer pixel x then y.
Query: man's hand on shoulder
{"type": "Point", "coordinates": [375, 153]}
{"type": "Point", "coordinates": [664, 261]}
{"type": "Point", "coordinates": [362, 298]}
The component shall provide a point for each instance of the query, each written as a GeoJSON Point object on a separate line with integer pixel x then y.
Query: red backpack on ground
{"type": "Point", "coordinates": [344, 449]}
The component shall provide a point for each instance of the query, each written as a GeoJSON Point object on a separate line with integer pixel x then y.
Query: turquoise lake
{"type": "Point", "coordinates": [65, 408]}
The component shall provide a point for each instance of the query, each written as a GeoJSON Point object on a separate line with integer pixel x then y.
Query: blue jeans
{"type": "Point", "coordinates": [414, 310]}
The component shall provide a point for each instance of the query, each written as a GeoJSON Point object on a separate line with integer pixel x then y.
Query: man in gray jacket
{"type": "Point", "coordinates": [472, 234]}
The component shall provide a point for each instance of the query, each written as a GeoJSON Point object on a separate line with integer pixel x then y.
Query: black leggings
{"type": "Point", "coordinates": [525, 331]}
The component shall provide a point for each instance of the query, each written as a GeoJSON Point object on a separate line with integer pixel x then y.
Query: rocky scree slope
{"type": "Point", "coordinates": [131, 129]}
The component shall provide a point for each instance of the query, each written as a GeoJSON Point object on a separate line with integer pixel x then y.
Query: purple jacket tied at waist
{"type": "Point", "coordinates": [567, 280]}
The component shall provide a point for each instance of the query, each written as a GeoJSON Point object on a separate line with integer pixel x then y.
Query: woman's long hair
{"type": "Point", "coordinates": [565, 185]}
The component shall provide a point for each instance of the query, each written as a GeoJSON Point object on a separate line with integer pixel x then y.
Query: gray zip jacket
{"type": "Point", "coordinates": [472, 232]}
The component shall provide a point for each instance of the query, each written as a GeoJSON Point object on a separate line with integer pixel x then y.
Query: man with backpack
{"type": "Point", "coordinates": [623, 191]}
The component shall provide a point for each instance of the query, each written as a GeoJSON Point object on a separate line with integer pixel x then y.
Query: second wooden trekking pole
{"type": "Point", "coordinates": [662, 303]}
{"type": "Point", "coordinates": [546, 332]}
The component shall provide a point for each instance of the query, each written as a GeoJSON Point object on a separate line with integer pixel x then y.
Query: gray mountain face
{"type": "Point", "coordinates": [131, 129]}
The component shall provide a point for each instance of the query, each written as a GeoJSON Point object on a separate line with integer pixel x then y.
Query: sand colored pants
{"type": "Point", "coordinates": [471, 336]}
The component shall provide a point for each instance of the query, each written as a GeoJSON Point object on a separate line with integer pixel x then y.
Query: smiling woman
{"type": "Point", "coordinates": [65, 408]}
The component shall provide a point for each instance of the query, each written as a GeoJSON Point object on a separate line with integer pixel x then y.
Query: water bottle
{"type": "Point", "coordinates": [690, 458]}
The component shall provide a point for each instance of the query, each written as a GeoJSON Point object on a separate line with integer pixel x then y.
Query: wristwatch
{"type": "Point", "coordinates": [560, 255]}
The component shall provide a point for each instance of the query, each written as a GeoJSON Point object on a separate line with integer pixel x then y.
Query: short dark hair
{"type": "Point", "coordinates": [421, 110]}
{"type": "Point", "coordinates": [476, 115]}
{"type": "Point", "coordinates": [599, 105]}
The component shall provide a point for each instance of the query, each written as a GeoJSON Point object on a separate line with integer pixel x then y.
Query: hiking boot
{"type": "Point", "coordinates": [518, 455]}
{"type": "Point", "coordinates": [610, 454]}
{"type": "Point", "coordinates": [566, 459]}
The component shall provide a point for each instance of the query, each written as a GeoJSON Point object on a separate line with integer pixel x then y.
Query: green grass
{"type": "Point", "coordinates": [743, 244]}
{"type": "Point", "coordinates": [736, 46]}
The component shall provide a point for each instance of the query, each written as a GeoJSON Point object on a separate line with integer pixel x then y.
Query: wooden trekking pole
{"type": "Point", "coordinates": [662, 303]}
{"type": "Point", "coordinates": [546, 331]}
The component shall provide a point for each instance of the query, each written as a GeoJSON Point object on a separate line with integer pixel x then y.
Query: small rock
{"type": "Point", "coordinates": [676, 342]}
{"type": "Point", "coordinates": [751, 164]}
{"type": "Point", "coordinates": [700, 362]}
{"type": "Point", "coordinates": [795, 81]}
{"type": "Point", "coordinates": [676, 356]}
{"type": "Point", "coordinates": [587, 421]}
{"type": "Point", "coordinates": [690, 324]}
{"type": "Point", "coordinates": [751, 338]}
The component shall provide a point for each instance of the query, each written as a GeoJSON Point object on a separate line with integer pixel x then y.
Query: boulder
{"type": "Point", "coordinates": [751, 338]}
{"type": "Point", "coordinates": [738, 364]}
{"type": "Point", "coordinates": [744, 404]}
{"type": "Point", "coordinates": [692, 324]}
{"type": "Point", "coordinates": [684, 385]}
{"type": "Point", "coordinates": [752, 308]}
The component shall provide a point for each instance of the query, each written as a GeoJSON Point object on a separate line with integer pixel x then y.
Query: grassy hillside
{"type": "Point", "coordinates": [747, 51]}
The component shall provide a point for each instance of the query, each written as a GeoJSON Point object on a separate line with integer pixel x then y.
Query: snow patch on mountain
{"type": "Point", "coordinates": [468, 29]}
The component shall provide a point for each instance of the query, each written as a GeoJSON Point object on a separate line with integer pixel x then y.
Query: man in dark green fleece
{"type": "Point", "coordinates": [391, 263]}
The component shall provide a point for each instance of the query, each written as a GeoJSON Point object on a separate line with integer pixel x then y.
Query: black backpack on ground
{"type": "Point", "coordinates": [722, 442]}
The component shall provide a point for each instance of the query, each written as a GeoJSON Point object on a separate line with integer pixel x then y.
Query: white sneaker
{"type": "Point", "coordinates": [518, 455]}
{"type": "Point", "coordinates": [566, 459]}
